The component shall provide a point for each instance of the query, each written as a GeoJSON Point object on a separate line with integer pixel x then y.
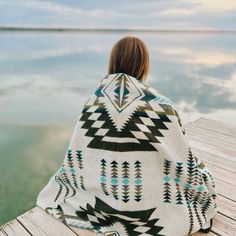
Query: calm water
{"type": "Point", "coordinates": [46, 77]}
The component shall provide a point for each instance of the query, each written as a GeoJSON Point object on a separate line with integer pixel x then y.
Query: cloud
{"type": "Point", "coordinates": [199, 7]}
{"type": "Point", "coordinates": [215, 5]}
{"type": "Point", "coordinates": [229, 85]}
{"type": "Point", "coordinates": [62, 51]}
{"type": "Point", "coordinates": [177, 12]}
{"type": "Point", "coordinates": [75, 11]}
{"type": "Point", "coordinates": [208, 58]}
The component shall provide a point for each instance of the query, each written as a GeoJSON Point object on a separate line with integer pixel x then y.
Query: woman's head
{"type": "Point", "coordinates": [130, 56]}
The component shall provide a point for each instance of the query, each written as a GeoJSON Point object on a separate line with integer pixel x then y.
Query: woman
{"type": "Point", "coordinates": [129, 169]}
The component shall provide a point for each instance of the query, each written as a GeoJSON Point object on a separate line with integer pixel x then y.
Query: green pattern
{"type": "Point", "coordinates": [178, 174]}
{"type": "Point", "coordinates": [79, 158]}
{"type": "Point", "coordinates": [138, 181]}
{"type": "Point", "coordinates": [71, 166]}
{"type": "Point", "coordinates": [125, 181]}
{"type": "Point", "coordinates": [103, 176]}
{"type": "Point", "coordinates": [114, 179]}
{"type": "Point", "coordinates": [167, 186]}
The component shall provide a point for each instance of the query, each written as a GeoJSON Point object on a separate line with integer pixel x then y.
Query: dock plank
{"type": "Point", "coordinates": [217, 150]}
{"type": "Point", "coordinates": [217, 141]}
{"type": "Point", "coordinates": [202, 234]}
{"type": "Point", "coordinates": [225, 189]}
{"type": "Point", "coordinates": [224, 226]}
{"type": "Point", "coordinates": [39, 223]}
{"type": "Point", "coordinates": [13, 228]}
{"type": "Point", "coordinates": [213, 159]}
{"type": "Point", "coordinates": [226, 207]}
{"type": "Point", "coordinates": [215, 126]}
{"type": "Point", "coordinates": [210, 134]}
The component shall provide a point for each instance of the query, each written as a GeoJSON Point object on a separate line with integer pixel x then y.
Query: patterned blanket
{"type": "Point", "coordinates": [129, 169]}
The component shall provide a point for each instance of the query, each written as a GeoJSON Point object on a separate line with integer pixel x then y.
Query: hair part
{"type": "Point", "coordinates": [130, 56]}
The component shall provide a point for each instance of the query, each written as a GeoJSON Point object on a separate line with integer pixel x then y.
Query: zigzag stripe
{"type": "Point", "coordinates": [67, 189]}
{"type": "Point", "coordinates": [71, 165]}
{"type": "Point", "coordinates": [114, 179]}
{"type": "Point", "coordinates": [178, 174]}
{"type": "Point", "coordinates": [67, 181]}
{"type": "Point", "coordinates": [103, 176]}
{"type": "Point", "coordinates": [60, 189]}
{"type": "Point", "coordinates": [138, 181]}
{"type": "Point", "coordinates": [82, 182]}
{"type": "Point", "coordinates": [167, 186]}
{"type": "Point", "coordinates": [195, 207]}
{"type": "Point", "coordinates": [125, 181]}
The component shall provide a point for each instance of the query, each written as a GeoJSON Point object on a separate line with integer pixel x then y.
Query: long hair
{"type": "Point", "coordinates": [130, 56]}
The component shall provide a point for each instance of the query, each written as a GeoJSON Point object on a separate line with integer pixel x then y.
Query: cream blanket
{"type": "Point", "coordinates": [129, 169]}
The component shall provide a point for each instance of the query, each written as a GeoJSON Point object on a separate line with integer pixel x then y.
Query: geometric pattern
{"type": "Point", "coordinates": [79, 158]}
{"type": "Point", "coordinates": [140, 131]}
{"type": "Point", "coordinates": [119, 93]}
{"type": "Point", "coordinates": [70, 182]}
{"type": "Point", "coordinates": [138, 181]}
{"type": "Point", "coordinates": [103, 218]}
{"type": "Point", "coordinates": [192, 191]}
{"type": "Point", "coordinates": [103, 177]}
{"type": "Point", "coordinates": [126, 115]}
{"type": "Point", "coordinates": [124, 179]}
{"type": "Point", "coordinates": [114, 179]}
{"type": "Point", "coordinates": [166, 178]}
{"type": "Point", "coordinates": [178, 174]}
{"type": "Point", "coordinates": [188, 192]}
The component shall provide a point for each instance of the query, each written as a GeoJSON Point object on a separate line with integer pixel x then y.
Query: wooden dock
{"type": "Point", "coordinates": [211, 141]}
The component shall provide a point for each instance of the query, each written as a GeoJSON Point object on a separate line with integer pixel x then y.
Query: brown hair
{"type": "Point", "coordinates": [130, 56]}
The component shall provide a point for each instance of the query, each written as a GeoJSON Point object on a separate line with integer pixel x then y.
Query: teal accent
{"type": "Point", "coordinates": [163, 100]}
{"type": "Point", "coordinates": [138, 181]}
{"type": "Point", "coordinates": [166, 178]}
{"type": "Point", "coordinates": [114, 181]}
{"type": "Point", "coordinates": [200, 188]}
{"type": "Point", "coordinates": [98, 92]}
{"type": "Point", "coordinates": [177, 180]}
{"type": "Point", "coordinates": [103, 179]}
{"type": "Point", "coordinates": [191, 164]}
{"type": "Point", "coordinates": [187, 185]}
{"type": "Point", "coordinates": [72, 171]}
{"type": "Point", "coordinates": [63, 170]}
{"type": "Point", "coordinates": [125, 181]}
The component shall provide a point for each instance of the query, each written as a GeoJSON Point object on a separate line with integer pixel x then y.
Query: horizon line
{"type": "Point", "coordinates": [112, 30]}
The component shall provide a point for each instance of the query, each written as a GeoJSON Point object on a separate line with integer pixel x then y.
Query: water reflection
{"type": "Point", "coordinates": [29, 155]}
{"type": "Point", "coordinates": [197, 70]}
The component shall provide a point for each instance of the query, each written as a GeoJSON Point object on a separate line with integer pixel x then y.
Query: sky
{"type": "Point", "coordinates": [154, 14]}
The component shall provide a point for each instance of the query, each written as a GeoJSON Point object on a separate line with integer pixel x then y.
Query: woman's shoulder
{"type": "Point", "coordinates": [158, 96]}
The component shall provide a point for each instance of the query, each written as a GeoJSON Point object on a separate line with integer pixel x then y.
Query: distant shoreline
{"type": "Point", "coordinates": [109, 30]}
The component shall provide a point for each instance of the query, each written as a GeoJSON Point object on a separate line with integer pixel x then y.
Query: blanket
{"type": "Point", "coordinates": [129, 169]}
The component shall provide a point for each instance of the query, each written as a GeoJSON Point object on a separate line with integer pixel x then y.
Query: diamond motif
{"type": "Point", "coordinates": [119, 93]}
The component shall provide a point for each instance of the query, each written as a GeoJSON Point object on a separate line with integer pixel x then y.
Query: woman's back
{"type": "Point", "coordinates": [129, 168]}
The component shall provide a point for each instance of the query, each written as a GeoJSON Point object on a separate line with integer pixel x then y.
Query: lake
{"type": "Point", "coordinates": [45, 78]}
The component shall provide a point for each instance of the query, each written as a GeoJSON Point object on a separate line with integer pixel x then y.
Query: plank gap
{"type": "Point", "coordinates": [226, 216]}
{"type": "Point", "coordinates": [24, 227]}
{"type": "Point", "coordinates": [230, 199]}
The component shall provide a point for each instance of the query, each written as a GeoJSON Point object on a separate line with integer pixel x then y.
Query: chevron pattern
{"type": "Point", "coordinates": [125, 181]}
{"type": "Point", "coordinates": [167, 186]}
{"type": "Point", "coordinates": [114, 179]}
{"type": "Point", "coordinates": [138, 181]}
{"type": "Point", "coordinates": [134, 223]}
{"type": "Point", "coordinates": [103, 177]}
